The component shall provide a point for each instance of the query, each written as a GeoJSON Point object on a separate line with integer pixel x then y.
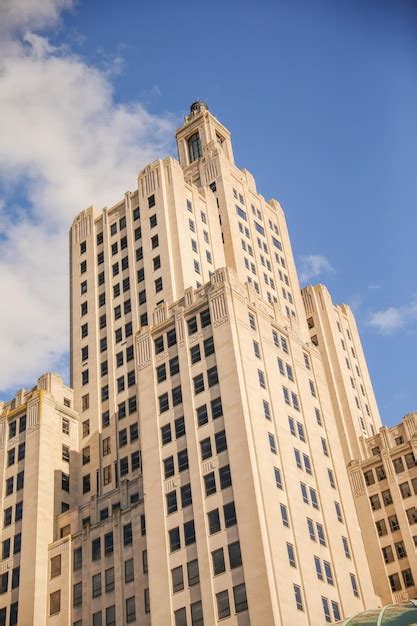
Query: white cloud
{"type": "Point", "coordinates": [314, 265]}
{"type": "Point", "coordinates": [355, 303]}
{"type": "Point", "coordinates": [393, 318]}
{"type": "Point", "coordinates": [65, 144]}
{"type": "Point", "coordinates": [19, 15]}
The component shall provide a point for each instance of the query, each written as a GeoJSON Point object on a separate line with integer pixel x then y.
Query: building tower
{"type": "Point", "coordinates": [333, 329]}
{"type": "Point", "coordinates": [212, 481]}
{"type": "Point", "coordinates": [38, 453]}
{"type": "Point", "coordinates": [384, 485]}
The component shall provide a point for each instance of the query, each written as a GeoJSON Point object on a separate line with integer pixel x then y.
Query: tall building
{"type": "Point", "coordinates": [333, 330]}
{"type": "Point", "coordinates": [38, 453]}
{"type": "Point", "coordinates": [257, 467]}
{"type": "Point", "coordinates": [384, 485]}
{"type": "Point", "coordinates": [212, 484]}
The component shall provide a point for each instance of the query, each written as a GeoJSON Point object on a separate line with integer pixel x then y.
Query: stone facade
{"type": "Point", "coordinates": [210, 425]}
{"type": "Point", "coordinates": [38, 460]}
{"type": "Point", "coordinates": [384, 485]}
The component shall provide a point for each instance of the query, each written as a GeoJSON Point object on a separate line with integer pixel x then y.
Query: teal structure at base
{"type": "Point", "coordinates": [404, 614]}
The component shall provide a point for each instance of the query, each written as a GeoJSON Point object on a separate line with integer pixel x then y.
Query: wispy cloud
{"type": "Point", "coordinates": [355, 302]}
{"type": "Point", "coordinates": [65, 144]}
{"type": "Point", "coordinates": [394, 318]}
{"type": "Point", "coordinates": [314, 265]}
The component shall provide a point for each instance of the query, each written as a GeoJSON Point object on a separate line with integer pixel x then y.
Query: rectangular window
{"type": "Point", "coordinates": [198, 383]}
{"type": "Point", "coordinates": [239, 595]}
{"type": "Point", "coordinates": [298, 597]}
{"type": "Point", "coordinates": [111, 616]}
{"type": "Point", "coordinates": [210, 483]}
{"type": "Point", "coordinates": [174, 539]}
{"type": "Point", "coordinates": [77, 594]}
{"type": "Point", "coordinates": [197, 614]}
{"type": "Point", "coordinates": [130, 570]}
{"type": "Point", "coordinates": [223, 604]}
{"type": "Point", "coordinates": [108, 543]}
{"type": "Point", "coordinates": [182, 460]}
{"type": "Point", "coordinates": [186, 496]}
{"type": "Point", "coordinates": [284, 515]}
{"type": "Point", "coordinates": [278, 478]}
{"type": "Point", "coordinates": [130, 609]}
{"type": "Point", "coordinates": [127, 534]}
{"type": "Point", "coordinates": [338, 511]}
{"type": "Point", "coordinates": [54, 604]}
{"type": "Point", "coordinates": [225, 476]}
{"type": "Point", "coordinates": [177, 578]}
{"type": "Point", "coordinates": [326, 609]}
{"type": "Point", "coordinates": [328, 572]}
{"type": "Point", "coordinates": [96, 585]}
{"type": "Point", "coordinates": [171, 502]}
{"type": "Point", "coordinates": [229, 512]}
{"type": "Point", "coordinates": [272, 443]}
{"type": "Point", "coordinates": [212, 376]}
{"type": "Point", "coordinates": [346, 547]}
{"type": "Point", "coordinates": [220, 440]}
{"type": "Point", "coordinates": [55, 566]}
{"type": "Point", "coordinates": [291, 555]}
{"type": "Point", "coordinates": [318, 567]}
{"type": "Point", "coordinates": [354, 585]}
{"type": "Point", "coordinates": [219, 565]}
{"type": "Point", "coordinates": [214, 521]}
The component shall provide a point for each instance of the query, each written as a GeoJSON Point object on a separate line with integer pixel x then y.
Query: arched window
{"type": "Point", "coordinates": [194, 147]}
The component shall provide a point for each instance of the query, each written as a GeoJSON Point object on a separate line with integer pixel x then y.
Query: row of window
{"type": "Point", "coordinates": [229, 514]}
{"type": "Point", "coordinates": [13, 426]}
{"type": "Point", "coordinates": [376, 502]}
{"type": "Point", "coordinates": [225, 480]}
{"type": "Point", "coordinates": [220, 444]}
{"type": "Point", "coordinates": [172, 499]}
{"type": "Point", "coordinates": [199, 382]}
{"type": "Point", "coordinates": [8, 514]}
{"type": "Point", "coordinates": [324, 570]}
{"type": "Point", "coordinates": [10, 483]}
{"type": "Point", "coordinates": [6, 578]}
{"type": "Point", "coordinates": [208, 349]}
{"type": "Point", "coordinates": [182, 463]}
{"type": "Point", "coordinates": [178, 428]}
{"type": "Point", "coordinates": [395, 583]}
{"type": "Point", "coordinates": [174, 536]}
{"type": "Point", "coordinates": [7, 546]}
{"type": "Point", "coordinates": [109, 614]}
{"type": "Point", "coordinates": [216, 410]}
{"type": "Point", "coordinates": [388, 553]}
{"type": "Point", "coordinates": [176, 399]}
{"type": "Point", "coordinates": [219, 561]}
{"type": "Point", "coordinates": [169, 339]}
{"type": "Point", "coordinates": [239, 600]}
{"type": "Point", "coordinates": [381, 525]}
{"type": "Point", "coordinates": [161, 370]}
{"type": "Point", "coordinates": [13, 615]}
{"type": "Point", "coordinates": [196, 611]}
{"type": "Point", "coordinates": [11, 454]}
{"type": "Point", "coordinates": [123, 435]}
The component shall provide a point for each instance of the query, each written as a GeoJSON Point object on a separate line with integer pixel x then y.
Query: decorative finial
{"type": "Point", "coordinates": [197, 107]}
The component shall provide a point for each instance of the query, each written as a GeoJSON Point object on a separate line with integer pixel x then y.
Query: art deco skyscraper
{"type": "Point", "coordinates": [212, 484]}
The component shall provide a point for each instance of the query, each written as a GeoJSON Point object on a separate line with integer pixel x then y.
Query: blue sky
{"type": "Point", "coordinates": [321, 99]}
